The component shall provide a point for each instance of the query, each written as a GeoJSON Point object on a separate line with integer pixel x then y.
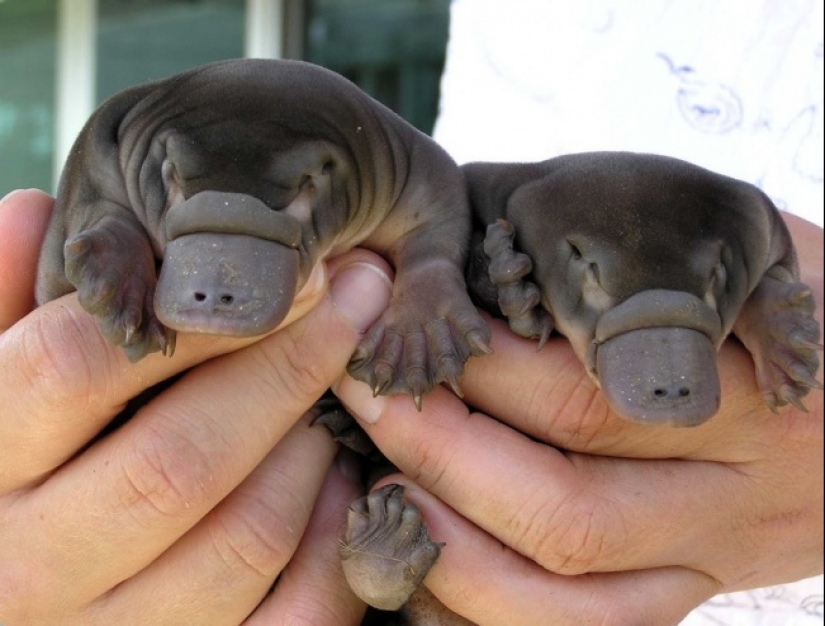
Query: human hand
{"type": "Point", "coordinates": [188, 512]}
{"type": "Point", "coordinates": [586, 518]}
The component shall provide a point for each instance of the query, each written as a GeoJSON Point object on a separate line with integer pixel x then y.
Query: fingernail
{"type": "Point", "coordinates": [360, 292]}
{"type": "Point", "coordinates": [357, 398]}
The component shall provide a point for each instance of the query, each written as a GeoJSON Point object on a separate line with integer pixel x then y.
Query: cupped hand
{"type": "Point", "coordinates": [188, 512]}
{"type": "Point", "coordinates": [556, 511]}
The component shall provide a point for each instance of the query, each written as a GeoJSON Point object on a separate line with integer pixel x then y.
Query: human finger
{"type": "Point", "coordinates": [312, 588]}
{"type": "Point", "coordinates": [492, 585]}
{"type": "Point", "coordinates": [62, 381]}
{"type": "Point", "coordinates": [574, 513]}
{"type": "Point", "coordinates": [808, 241]}
{"type": "Point", "coordinates": [24, 214]}
{"type": "Point", "coordinates": [219, 571]}
{"type": "Point", "coordinates": [135, 492]}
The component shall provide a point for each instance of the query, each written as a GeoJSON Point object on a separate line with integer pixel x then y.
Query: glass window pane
{"type": "Point", "coordinates": [141, 40]}
{"type": "Point", "coordinates": [27, 72]}
{"type": "Point", "coordinates": [393, 49]}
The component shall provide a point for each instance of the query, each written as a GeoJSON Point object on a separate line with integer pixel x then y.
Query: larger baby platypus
{"type": "Point", "coordinates": [240, 176]}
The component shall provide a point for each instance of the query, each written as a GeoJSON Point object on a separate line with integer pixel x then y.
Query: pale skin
{"type": "Point", "coordinates": [189, 512]}
{"type": "Point", "coordinates": [540, 537]}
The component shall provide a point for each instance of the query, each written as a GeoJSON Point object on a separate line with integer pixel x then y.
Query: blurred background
{"type": "Point", "coordinates": [59, 59]}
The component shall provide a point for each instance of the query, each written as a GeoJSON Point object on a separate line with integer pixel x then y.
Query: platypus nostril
{"type": "Point", "coordinates": [665, 392]}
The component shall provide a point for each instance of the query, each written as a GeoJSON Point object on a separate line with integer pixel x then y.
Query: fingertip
{"type": "Point", "coordinates": [24, 215]}
{"type": "Point", "coordinates": [34, 206]}
{"type": "Point", "coordinates": [360, 255]}
{"type": "Point", "coordinates": [359, 400]}
{"type": "Point", "coordinates": [8, 197]}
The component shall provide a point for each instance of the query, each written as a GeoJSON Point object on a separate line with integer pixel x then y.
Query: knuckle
{"type": "Point", "coordinates": [165, 473]}
{"type": "Point", "coordinates": [568, 539]}
{"type": "Point", "coordinates": [259, 536]}
{"type": "Point", "coordinates": [57, 372]}
{"type": "Point", "coordinates": [577, 420]}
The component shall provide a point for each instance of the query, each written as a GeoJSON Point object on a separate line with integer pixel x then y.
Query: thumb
{"type": "Point", "coordinates": [24, 214]}
{"type": "Point", "coordinates": [360, 286]}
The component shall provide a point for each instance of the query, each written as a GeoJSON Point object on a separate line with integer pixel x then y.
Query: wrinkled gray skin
{"type": "Point", "coordinates": [645, 263]}
{"type": "Point", "coordinates": [237, 178]}
{"type": "Point", "coordinates": [240, 176]}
